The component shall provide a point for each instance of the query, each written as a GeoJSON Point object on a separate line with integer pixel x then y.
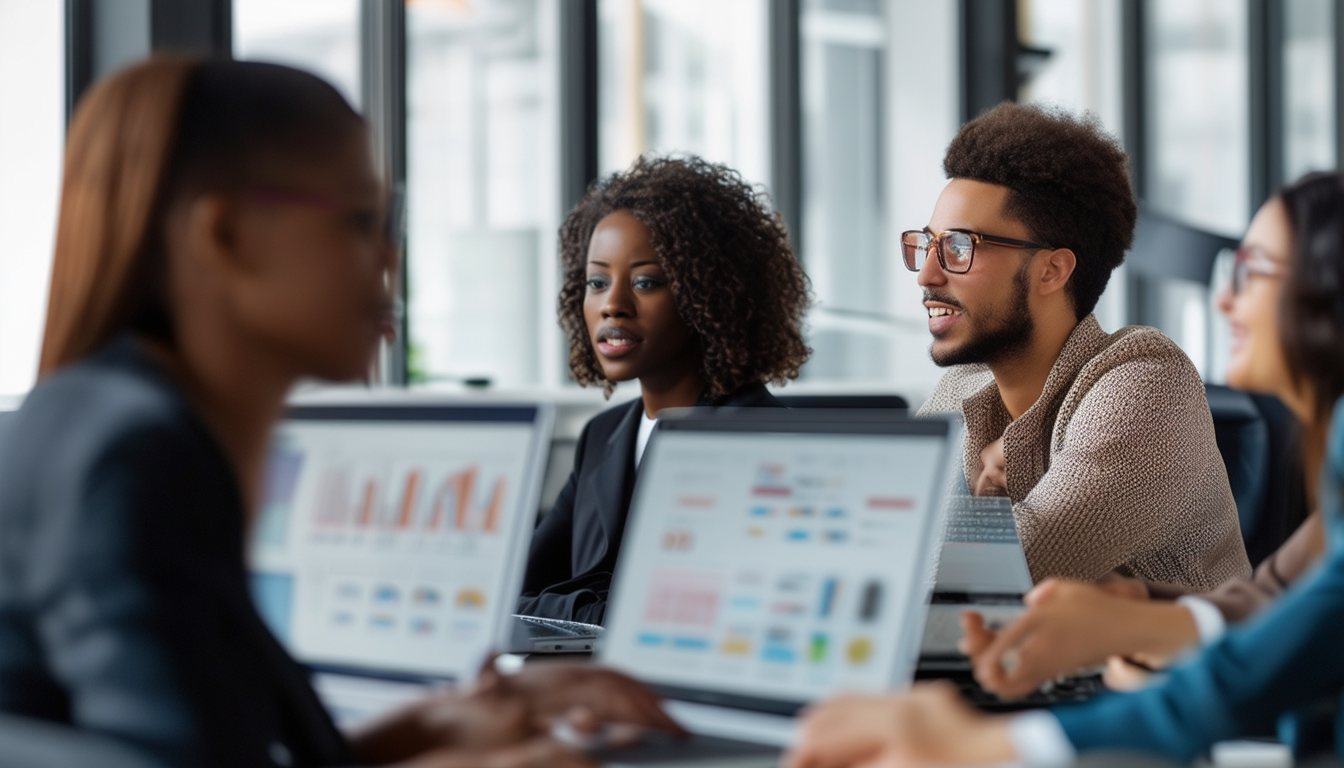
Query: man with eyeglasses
{"type": "Point", "coordinates": [1104, 442]}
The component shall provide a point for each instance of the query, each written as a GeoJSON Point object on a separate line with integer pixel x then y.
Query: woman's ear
{"type": "Point", "coordinates": [206, 231]}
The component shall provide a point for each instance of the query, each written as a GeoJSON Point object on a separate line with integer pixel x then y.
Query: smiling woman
{"type": "Point", "coordinates": [679, 275]}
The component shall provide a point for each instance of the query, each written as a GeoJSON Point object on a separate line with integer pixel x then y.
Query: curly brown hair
{"type": "Point", "coordinates": [1068, 182]}
{"type": "Point", "coordinates": [737, 283]}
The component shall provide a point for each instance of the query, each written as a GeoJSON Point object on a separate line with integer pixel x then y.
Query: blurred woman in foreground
{"type": "Point", "coordinates": [221, 235]}
{"type": "Point", "coordinates": [1287, 310]}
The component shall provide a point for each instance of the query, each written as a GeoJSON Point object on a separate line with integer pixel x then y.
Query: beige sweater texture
{"type": "Point", "coordinates": [1115, 468]}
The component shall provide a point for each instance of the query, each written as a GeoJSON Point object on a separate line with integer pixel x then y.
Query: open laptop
{"type": "Point", "coordinates": [773, 558]}
{"type": "Point", "coordinates": [981, 567]}
{"type": "Point", "coordinates": [386, 554]}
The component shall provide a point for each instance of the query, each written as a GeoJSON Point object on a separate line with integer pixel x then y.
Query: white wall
{"type": "Point", "coordinates": [32, 134]}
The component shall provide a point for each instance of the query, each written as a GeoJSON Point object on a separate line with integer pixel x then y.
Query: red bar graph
{"type": "Point", "coordinates": [491, 524]}
{"type": "Point", "coordinates": [463, 483]}
{"type": "Point", "coordinates": [366, 506]}
{"type": "Point", "coordinates": [411, 500]}
{"type": "Point", "coordinates": [408, 499]}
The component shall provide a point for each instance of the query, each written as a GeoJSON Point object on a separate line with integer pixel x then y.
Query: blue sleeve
{"type": "Point", "coordinates": [1286, 657]}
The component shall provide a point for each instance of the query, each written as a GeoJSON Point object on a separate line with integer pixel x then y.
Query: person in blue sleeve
{"type": "Point", "coordinates": [1286, 305]}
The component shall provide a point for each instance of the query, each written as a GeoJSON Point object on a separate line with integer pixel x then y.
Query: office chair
{"type": "Point", "coordinates": [1257, 438]}
{"type": "Point", "coordinates": [30, 743]}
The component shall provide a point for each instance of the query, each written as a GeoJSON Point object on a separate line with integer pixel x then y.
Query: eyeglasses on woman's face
{"type": "Point", "coordinates": [955, 248]}
{"type": "Point", "coordinates": [388, 219]}
{"type": "Point", "coordinates": [1253, 261]}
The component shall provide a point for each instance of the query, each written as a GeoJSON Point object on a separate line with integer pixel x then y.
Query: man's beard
{"type": "Point", "coordinates": [1008, 334]}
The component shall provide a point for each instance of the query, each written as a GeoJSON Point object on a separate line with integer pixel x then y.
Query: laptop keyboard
{"type": "Point", "coordinates": [1067, 690]}
{"type": "Point", "coordinates": [981, 520]}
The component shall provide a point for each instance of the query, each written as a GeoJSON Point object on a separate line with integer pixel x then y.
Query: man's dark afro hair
{"type": "Point", "coordinates": [1068, 182]}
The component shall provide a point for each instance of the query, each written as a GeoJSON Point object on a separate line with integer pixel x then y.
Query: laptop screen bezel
{"type": "Point", "coordinates": [820, 422]}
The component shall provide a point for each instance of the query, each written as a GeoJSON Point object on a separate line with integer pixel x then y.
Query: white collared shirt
{"type": "Point", "coordinates": [646, 426]}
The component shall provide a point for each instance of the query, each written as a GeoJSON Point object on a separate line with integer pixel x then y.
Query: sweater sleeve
{"type": "Point", "coordinates": [1239, 599]}
{"type": "Point", "coordinates": [1135, 483]}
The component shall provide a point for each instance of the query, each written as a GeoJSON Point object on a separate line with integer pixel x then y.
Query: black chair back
{"type": "Point", "coordinates": [1257, 438]}
{"type": "Point", "coordinates": [868, 402]}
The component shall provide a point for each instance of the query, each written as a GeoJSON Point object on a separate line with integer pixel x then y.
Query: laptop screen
{"type": "Point", "coordinates": [388, 534]}
{"type": "Point", "coordinates": [777, 567]}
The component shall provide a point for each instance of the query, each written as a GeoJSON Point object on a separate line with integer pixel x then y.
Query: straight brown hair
{"type": "Point", "coordinates": [117, 154]}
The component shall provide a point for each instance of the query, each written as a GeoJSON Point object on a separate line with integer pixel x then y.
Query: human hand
{"type": "Point", "coordinates": [931, 724]}
{"type": "Point", "coordinates": [586, 698]}
{"type": "Point", "coordinates": [1124, 586]}
{"type": "Point", "coordinates": [1129, 674]}
{"type": "Point", "coordinates": [481, 720]}
{"type": "Point", "coordinates": [993, 480]}
{"type": "Point", "coordinates": [977, 635]}
{"type": "Point", "coordinates": [1067, 626]}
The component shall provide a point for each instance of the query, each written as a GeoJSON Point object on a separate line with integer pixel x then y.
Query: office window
{"type": "Point", "coordinates": [844, 238]}
{"type": "Point", "coordinates": [321, 36]}
{"type": "Point", "coordinates": [1308, 87]}
{"type": "Point", "coordinates": [684, 75]}
{"type": "Point", "coordinates": [1198, 160]}
{"type": "Point", "coordinates": [483, 191]}
{"type": "Point", "coordinates": [32, 132]}
{"type": "Point", "coordinates": [1082, 69]}
{"type": "Point", "coordinates": [1077, 65]}
{"type": "Point", "coordinates": [1198, 152]}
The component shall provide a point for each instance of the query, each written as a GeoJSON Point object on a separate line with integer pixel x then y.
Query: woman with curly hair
{"type": "Point", "coordinates": [679, 275]}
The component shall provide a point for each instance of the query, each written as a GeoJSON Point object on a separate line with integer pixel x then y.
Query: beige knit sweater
{"type": "Point", "coordinates": [1115, 467]}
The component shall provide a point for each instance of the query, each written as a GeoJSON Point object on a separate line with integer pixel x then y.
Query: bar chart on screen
{"type": "Point", "coordinates": [390, 536]}
{"type": "Point", "coordinates": [419, 500]}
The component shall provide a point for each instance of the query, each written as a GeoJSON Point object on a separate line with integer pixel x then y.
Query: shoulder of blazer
{"type": "Point", "coordinates": [600, 427]}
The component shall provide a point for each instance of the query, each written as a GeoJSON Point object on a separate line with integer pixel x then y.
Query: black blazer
{"type": "Point", "coordinates": [575, 546]}
{"type": "Point", "coordinates": [124, 603]}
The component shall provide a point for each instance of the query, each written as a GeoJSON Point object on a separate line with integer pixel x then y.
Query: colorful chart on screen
{"type": "Point", "coordinates": [773, 565]}
{"type": "Point", "coordinates": [391, 537]}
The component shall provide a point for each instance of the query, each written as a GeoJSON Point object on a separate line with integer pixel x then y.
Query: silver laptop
{"type": "Point", "coordinates": [981, 567]}
{"type": "Point", "coordinates": [386, 554]}
{"type": "Point", "coordinates": [773, 558]}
